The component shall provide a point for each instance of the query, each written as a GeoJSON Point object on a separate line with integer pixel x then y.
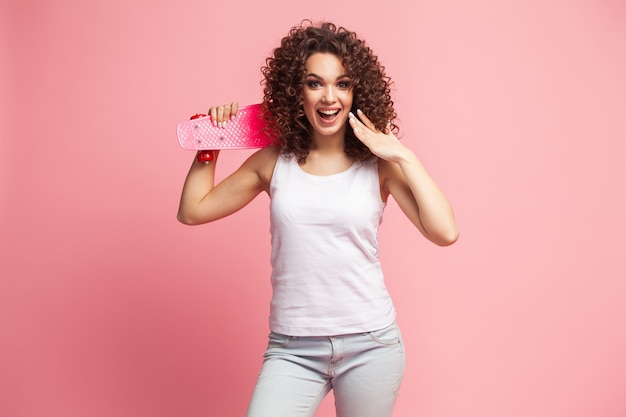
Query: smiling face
{"type": "Point", "coordinates": [327, 95]}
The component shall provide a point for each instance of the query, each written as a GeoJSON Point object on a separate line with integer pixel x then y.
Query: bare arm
{"type": "Point", "coordinates": [202, 201]}
{"type": "Point", "coordinates": [405, 178]}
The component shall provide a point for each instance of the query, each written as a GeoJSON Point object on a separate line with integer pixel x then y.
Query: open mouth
{"type": "Point", "coordinates": [328, 114]}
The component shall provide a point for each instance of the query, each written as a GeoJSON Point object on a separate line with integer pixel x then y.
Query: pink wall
{"type": "Point", "coordinates": [108, 306]}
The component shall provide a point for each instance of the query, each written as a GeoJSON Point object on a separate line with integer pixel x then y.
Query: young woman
{"type": "Point", "coordinates": [335, 163]}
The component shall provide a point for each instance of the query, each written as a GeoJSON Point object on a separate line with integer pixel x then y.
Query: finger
{"type": "Point", "coordinates": [226, 116]}
{"type": "Point", "coordinates": [354, 122]}
{"type": "Point", "coordinates": [366, 121]}
{"type": "Point", "coordinates": [387, 129]}
{"type": "Point", "coordinates": [220, 116]}
{"type": "Point", "coordinates": [358, 127]}
{"type": "Point", "coordinates": [213, 114]}
{"type": "Point", "coordinates": [234, 107]}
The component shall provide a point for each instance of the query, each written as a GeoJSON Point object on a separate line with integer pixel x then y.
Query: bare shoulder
{"type": "Point", "coordinates": [262, 162]}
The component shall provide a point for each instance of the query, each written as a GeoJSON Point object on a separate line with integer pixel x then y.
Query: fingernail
{"type": "Point", "coordinates": [359, 111]}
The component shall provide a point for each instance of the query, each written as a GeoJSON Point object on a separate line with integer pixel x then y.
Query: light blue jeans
{"type": "Point", "coordinates": [364, 370]}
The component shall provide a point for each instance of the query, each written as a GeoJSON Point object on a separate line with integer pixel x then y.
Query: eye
{"type": "Point", "coordinates": [313, 84]}
{"type": "Point", "coordinates": [345, 84]}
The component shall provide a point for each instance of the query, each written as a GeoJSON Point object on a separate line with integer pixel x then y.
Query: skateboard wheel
{"type": "Point", "coordinates": [197, 116]}
{"type": "Point", "coordinates": [205, 156]}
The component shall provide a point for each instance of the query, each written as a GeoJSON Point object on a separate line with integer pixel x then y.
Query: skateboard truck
{"type": "Point", "coordinates": [204, 156]}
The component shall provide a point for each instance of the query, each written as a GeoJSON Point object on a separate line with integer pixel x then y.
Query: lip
{"type": "Point", "coordinates": [328, 120]}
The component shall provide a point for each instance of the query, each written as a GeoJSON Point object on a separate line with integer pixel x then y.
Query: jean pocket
{"type": "Point", "coordinates": [277, 340]}
{"type": "Point", "coordinates": [389, 335]}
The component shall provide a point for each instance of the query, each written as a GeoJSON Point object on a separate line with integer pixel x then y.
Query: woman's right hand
{"type": "Point", "coordinates": [203, 201]}
{"type": "Point", "coordinates": [220, 115]}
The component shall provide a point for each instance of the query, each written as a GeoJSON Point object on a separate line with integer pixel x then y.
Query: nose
{"type": "Point", "coordinates": [329, 94]}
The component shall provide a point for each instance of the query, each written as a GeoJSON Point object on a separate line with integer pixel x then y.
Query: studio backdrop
{"type": "Point", "coordinates": [110, 307]}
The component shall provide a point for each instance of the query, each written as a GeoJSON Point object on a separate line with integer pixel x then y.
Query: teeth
{"type": "Point", "coordinates": [329, 112]}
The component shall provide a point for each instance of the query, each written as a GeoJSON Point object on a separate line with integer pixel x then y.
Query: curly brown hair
{"type": "Point", "coordinates": [284, 79]}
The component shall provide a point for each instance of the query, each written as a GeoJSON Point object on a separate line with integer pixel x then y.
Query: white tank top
{"type": "Point", "coordinates": [326, 277]}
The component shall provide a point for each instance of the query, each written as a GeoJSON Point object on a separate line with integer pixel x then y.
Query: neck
{"type": "Point", "coordinates": [328, 143]}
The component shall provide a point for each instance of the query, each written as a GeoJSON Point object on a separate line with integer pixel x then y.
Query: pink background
{"type": "Point", "coordinates": [109, 307]}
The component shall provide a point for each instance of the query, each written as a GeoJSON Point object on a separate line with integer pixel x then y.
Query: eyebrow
{"type": "Point", "coordinates": [312, 74]}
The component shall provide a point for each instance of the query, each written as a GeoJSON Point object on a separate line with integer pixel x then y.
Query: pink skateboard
{"type": "Point", "coordinates": [245, 131]}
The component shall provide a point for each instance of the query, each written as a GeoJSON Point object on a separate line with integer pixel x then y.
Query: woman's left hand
{"type": "Point", "coordinates": [406, 179]}
{"type": "Point", "coordinates": [383, 144]}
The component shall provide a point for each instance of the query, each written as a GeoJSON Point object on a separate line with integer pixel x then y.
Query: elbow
{"type": "Point", "coordinates": [192, 218]}
{"type": "Point", "coordinates": [447, 239]}
{"type": "Point", "coordinates": [186, 219]}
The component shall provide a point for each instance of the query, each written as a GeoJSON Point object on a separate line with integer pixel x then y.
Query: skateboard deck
{"type": "Point", "coordinates": [245, 131]}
